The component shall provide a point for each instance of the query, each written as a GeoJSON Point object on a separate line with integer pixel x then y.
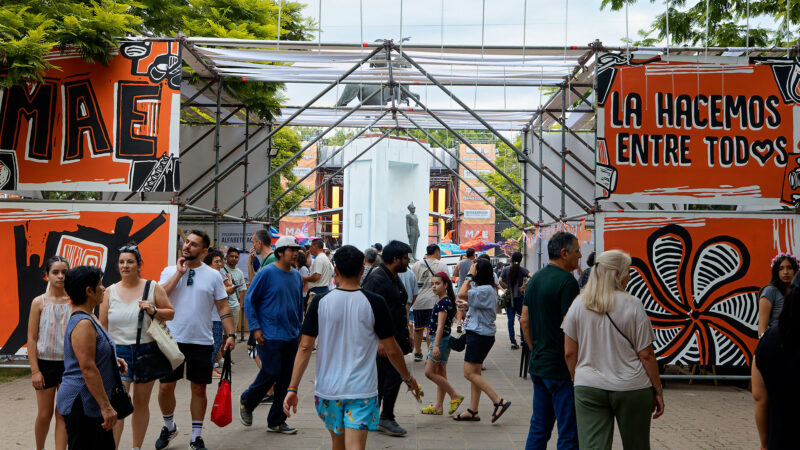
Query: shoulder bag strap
{"type": "Point", "coordinates": [113, 355]}
{"type": "Point", "coordinates": [145, 296]}
{"type": "Point", "coordinates": [620, 332]}
{"type": "Point", "coordinates": [428, 266]}
{"type": "Point", "coordinates": [369, 272]}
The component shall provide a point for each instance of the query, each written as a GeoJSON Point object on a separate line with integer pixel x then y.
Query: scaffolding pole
{"type": "Point", "coordinates": [226, 171]}
{"type": "Point", "coordinates": [318, 166]}
{"type": "Point", "coordinates": [471, 147]}
{"type": "Point", "coordinates": [325, 182]}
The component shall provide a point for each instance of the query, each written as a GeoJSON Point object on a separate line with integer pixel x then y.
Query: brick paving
{"type": "Point", "coordinates": [696, 417]}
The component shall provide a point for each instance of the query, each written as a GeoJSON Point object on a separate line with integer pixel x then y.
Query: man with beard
{"type": "Point", "coordinates": [385, 282]}
{"type": "Point", "coordinates": [194, 290]}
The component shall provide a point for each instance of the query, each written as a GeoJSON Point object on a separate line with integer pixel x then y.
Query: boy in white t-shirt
{"type": "Point", "coordinates": [352, 326]}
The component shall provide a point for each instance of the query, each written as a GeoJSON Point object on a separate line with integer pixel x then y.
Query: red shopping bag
{"type": "Point", "coordinates": [222, 411]}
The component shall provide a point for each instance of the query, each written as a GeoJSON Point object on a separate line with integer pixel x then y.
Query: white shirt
{"type": "Point", "coordinates": [193, 304]}
{"type": "Point", "coordinates": [426, 298]}
{"type": "Point", "coordinates": [322, 266]}
{"type": "Point", "coordinates": [606, 360]}
{"type": "Point", "coordinates": [348, 325]}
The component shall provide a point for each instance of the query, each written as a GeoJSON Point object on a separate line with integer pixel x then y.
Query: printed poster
{"type": "Point", "coordinates": [699, 276]}
{"type": "Point", "coordinates": [691, 130]}
{"type": "Point", "coordinates": [88, 233]}
{"type": "Point", "coordinates": [90, 127]}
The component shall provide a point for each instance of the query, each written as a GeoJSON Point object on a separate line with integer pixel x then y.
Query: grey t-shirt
{"type": "Point", "coordinates": [463, 270]}
{"type": "Point", "coordinates": [775, 297]}
{"type": "Point", "coordinates": [409, 281]}
{"type": "Point", "coordinates": [606, 359]}
{"type": "Point", "coordinates": [482, 302]}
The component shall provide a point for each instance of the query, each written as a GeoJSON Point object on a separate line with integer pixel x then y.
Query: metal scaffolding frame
{"type": "Point", "coordinates": [214, 59]}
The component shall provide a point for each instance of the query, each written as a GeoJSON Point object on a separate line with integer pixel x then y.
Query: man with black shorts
{"type": "Point", "coordinates": [194, 289]}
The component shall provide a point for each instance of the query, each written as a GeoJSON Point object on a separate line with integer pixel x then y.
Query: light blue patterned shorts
{"type": "Point", "coordinates": [359, 414]}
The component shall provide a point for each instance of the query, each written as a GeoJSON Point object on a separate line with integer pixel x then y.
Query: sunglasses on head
{"type": "Point", "coordinates": [190, 281]}
{"type": "Point", "coordinates": [128, 248]}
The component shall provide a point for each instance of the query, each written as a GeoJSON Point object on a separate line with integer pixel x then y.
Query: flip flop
{"type": "Point", "coordinates": [431, 410]}
{"type": "Point", "coordinates": [503, 405]}
{"type": "Point", "coordinates": [454, 404]}
{"type": "Point", "coordinates": [460, 418]}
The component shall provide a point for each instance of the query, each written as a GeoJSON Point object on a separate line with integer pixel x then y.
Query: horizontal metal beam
{"type": "Point", "coordinates": [340, 170]}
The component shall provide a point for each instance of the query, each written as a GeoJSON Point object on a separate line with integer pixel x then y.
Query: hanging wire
{"type": "Point", "coordinates": [441, 32]}
{"type": "Point", "coordinates": [627, 36]}
{"type": "Point", "coordinates": [478, 67]}
{"type": "Point", "coordinates": [668, 29]}
{"type": "Point", "coordinates": [708, 25]}
{"type": "Point", "coordinates": [566, 18]}
{"type": "Point", "coordinates": [319, 25]}
{"type": "Point", "coordinates": [280, 4]}
{"type": "Point", "coordinates": [401, 26]}
{"type": "Point", "coordinates": [361, 22]}
{"type": "Point", "coordinates": [524, 27]}
{"type": "Point", "coordinates": [747, 36]}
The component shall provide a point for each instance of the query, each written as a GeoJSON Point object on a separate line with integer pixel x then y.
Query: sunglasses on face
{"type": "Point", "coordinates": [190, 281]}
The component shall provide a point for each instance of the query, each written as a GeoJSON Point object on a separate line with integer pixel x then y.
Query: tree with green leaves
{"type": "Point", "coordinates": [287, 141]}
{"type": "Point", "coordinates": [506, 159]}
{"type": "Point", "coordinates": [724, 22]}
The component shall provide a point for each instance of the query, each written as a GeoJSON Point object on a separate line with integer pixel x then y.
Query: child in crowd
{"type": "Point", "coordinates": [439, 335]}
{"type": "Point", "coordinates": [46, 326]}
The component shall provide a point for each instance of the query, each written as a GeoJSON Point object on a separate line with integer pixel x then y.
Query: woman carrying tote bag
{"type": "Point", "coordinates": [608, 347]}
{"type": "Point", "coordinates": [119, 314]}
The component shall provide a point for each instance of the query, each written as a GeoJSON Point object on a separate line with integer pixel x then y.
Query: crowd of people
{"type": "Point", "coordinates": [592, 360]}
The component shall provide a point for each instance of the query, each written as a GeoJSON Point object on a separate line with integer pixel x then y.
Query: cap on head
{"type": "Point", "coordinates": [287, 241]}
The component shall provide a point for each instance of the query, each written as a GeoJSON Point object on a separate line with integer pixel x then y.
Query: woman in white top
{"type": "Point", "coordinates": [47, 324]}
{"type": "Point", "coordinates": [119, 314]}
{"type": "Point", "coordinates": [608, 346]}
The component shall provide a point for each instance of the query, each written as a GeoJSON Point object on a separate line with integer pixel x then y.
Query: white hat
{"type": "Point", "coordinates": [287, 241]}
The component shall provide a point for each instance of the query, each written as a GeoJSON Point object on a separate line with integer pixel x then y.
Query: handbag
{"type": "Point", "coordinates": [505, 299]}
{"type": "Point", "coordinates": [222, 411]}
{"type": "Point", "coordinates": [119, 398]}
{"type": "Point", "coordinates": [458, 343]}
{"type": "Point", "coordinates": [152, 365]}
{"type": "Point", "coordinates": [161, 335]}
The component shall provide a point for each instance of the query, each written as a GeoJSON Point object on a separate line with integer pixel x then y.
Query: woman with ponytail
{"type": "Point", "coordinates": [439, 334]}
{"type": "Point", "coordinates": [513, 277]}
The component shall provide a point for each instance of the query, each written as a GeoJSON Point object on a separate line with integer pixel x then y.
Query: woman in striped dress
{"type": "Point", "coordinates": [46, 325]}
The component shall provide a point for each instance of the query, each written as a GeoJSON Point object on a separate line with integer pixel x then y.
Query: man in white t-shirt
{"type": "Point", "coordinates": [349, 324]}
{"type": "Point", "coordinates": [425, 269]}
{"type": "Point", "coordinates": [194, 289]}
{"type": "Point", "coordinates": [319, 281]}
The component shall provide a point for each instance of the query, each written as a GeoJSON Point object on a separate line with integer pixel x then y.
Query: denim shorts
{"type": "Point", "coordinates": [444, 349]}
{"type": "Point", "coordinates": [126, 352]}
{"type": "Point", "coordinates": [358, 414]}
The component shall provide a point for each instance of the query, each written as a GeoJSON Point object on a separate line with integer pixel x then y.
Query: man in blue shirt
{"type": "Point", "coordinates": [274, 309]}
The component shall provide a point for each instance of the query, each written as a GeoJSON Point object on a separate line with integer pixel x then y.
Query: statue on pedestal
{"type": "Point", "coordinates": [412, 228]}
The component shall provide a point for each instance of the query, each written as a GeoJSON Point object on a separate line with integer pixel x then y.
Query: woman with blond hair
{"type": "Point", "coordinates": [608, 346]}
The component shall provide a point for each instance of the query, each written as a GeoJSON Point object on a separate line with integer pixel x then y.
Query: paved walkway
{"type": "Point", "coordinates": [697, 416]}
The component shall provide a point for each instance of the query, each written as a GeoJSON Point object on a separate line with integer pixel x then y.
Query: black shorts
{"type": "Point", "coordinates": [52, 371]}
{"type": "Point", "coordinates": [478, 347]}
{"type": "Point", "coordinates": [422, 317]}
{"type": "Point", "coordinates": [198, 364]}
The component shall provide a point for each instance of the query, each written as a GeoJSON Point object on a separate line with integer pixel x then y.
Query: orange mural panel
{"type": "Point", "coordinates": [83, 233]}
{"type": "Point", "coordinates": [698, 132]}
{"type": "Point", "coordinates": [90, 127]}
{"type": "Point", "coordinates": [699, 276]}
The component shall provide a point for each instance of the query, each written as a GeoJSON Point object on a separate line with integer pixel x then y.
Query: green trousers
{"type": "Point", "coordinates": [596, 409]}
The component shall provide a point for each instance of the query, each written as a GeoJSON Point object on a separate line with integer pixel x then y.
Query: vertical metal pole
{"type": "Point", "coordinates": [269, 180]}
{"type": "Point", "coordinates": [525, 146]}
{"type": "Point", "coordinates": [563, 150]}
{"type": "Point", "coordinates": [216, 163]}
{"type": "Point", "coordinates": [541, 193]}
{"type": "Point", "coordinates": [244, 211]}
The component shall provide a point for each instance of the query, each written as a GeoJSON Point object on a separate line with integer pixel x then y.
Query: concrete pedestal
{"type": "Point", "coordinates": [379, 187]}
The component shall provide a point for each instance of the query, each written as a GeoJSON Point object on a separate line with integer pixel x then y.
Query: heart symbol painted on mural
{"type": "Point", "coordinates": [762, 150]}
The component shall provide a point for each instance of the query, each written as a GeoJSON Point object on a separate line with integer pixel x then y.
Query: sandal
{"type": "Point", "coordinates": [474, 418]}
{"type": "Point", "coordinates": [503, 406]}
{"type": "Point", "coordinates": [431, 410]}
{"type": "Point", "coordinates": [454, 404]}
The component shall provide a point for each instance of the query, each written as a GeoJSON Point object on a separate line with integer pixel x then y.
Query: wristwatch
{"type": "Point", "coordinates": [659, 389]}
{"type": "Point", "coordinates": [233, 335]}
